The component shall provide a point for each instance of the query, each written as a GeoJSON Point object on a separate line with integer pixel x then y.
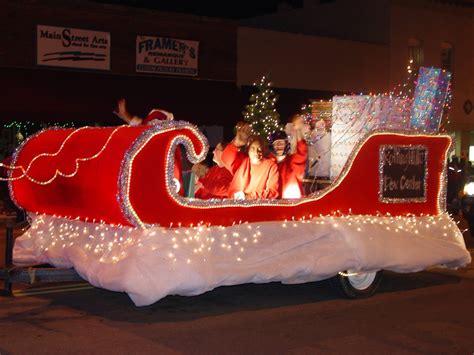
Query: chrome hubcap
{"type": "Point", "coordinates": [361, 280]}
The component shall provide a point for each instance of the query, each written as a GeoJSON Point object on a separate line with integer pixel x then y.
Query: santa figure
{"type": "Point", "coordinates": [153, 117]}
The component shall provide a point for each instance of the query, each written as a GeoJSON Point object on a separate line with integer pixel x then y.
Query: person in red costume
{"type": "Point", "coordinates": [153, 117]}
{"type": "Point", "coordinates": [213, 182]}
{"type": "Point", "coordinates": [290, 166]}
{"type": "Point", "coordinates": [255, 177]}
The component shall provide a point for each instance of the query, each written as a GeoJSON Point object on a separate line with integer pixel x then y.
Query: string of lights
{"type": "Point", "coordinates": [403, 106]}
{"type": "Point", "coordinates": [113, 243]}
{"type": "Point", "coordinates": [24, 129]}
{"type": "Point", "coordinates": [260, 113]}
{"type": "Point", "coordinates": [57, 172]}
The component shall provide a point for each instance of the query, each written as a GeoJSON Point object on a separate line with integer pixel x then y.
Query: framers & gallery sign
{"type": "Point", "coordinates": [163, 55]}
{"type": "Point", "coordinates": [73, 48]}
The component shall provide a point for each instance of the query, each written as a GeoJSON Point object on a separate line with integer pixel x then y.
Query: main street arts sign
{"type": "Point", "coordinates": [403, 173]}
{"type": "Point", "coordinates": [72, 48]}
{"type": "Point", "coordinates": [163, 55]}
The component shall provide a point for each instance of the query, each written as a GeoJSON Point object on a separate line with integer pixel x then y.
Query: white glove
{"type": "Point", "coordinates": [239, 195]}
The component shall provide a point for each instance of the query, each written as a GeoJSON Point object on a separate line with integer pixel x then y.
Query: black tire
{"type": "Point", "coordinates": [357, 285]}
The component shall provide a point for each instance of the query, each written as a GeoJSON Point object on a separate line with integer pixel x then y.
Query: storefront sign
{"type": "Point", "coordinates": [403, 173]}
{"type": "Point", "coordinates": [73, 48]}
{"type": "Point", "coordinates": [162, 55]}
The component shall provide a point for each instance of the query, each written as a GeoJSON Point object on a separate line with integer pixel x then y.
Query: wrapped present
{"type": "Point", "coordinates": [429, 99]}
{"type": "Point", "coordinates": [355, 116]}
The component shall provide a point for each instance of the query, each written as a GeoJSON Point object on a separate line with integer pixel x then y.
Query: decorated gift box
{"type": "Point", "coordinates": [355, 116]}
{"type": "Point", "coordinates": [429, 99]}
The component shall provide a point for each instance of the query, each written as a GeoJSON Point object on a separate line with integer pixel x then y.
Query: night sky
{"type": "Point", "coordinates": [224, 9]}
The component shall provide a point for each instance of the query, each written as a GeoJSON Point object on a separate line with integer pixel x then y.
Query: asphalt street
{"type": "Point", "coordinates": [418, 313]}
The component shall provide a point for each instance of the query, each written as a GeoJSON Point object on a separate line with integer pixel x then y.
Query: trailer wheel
{"type": "Point", "coordinates": [357, 284]}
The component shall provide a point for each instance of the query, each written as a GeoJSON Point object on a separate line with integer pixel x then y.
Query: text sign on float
{"type": "Point", "coordinates": [403, 173]}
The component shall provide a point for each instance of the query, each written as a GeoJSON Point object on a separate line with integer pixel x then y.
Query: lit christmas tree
{"type": "Point", "coordinates": [260, 113]}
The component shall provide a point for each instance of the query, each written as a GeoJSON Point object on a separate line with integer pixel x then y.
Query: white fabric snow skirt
{"type": "Point", "coordinates": [150, 264]}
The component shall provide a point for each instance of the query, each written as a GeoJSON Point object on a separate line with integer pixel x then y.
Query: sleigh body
{"type": "Point", "coordinates": [105, 202]}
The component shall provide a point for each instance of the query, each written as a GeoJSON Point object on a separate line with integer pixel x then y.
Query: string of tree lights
{"type": "Point", "coordinates": [260, 113]}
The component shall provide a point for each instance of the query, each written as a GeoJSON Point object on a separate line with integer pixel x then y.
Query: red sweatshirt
{"type": "Point", "coordinates": [291, 170]}
{"type": "Point", "coordinates": [215, 184]}
{"type": "Point", "coordinates": [256, 181]}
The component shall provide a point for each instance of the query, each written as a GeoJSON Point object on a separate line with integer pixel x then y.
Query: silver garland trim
{"type": "Point", "coordinates": [442, 200]}
{"type": "Point", "coordinates": [161, 127]}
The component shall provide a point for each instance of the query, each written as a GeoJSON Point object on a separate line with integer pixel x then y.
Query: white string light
{"type": "Point", "coordinates": [57, 172]}
{"type": "Point", "coordinates": [196, 244]}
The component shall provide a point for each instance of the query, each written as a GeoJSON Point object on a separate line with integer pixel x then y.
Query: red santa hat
{"type": "Point", "coordinates": [159, 115]}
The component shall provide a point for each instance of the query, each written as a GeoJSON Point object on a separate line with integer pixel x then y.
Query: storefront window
{"type": "Point", "coordinates": [415, 54]}
{"type": "Point", "coordinates": [447, 56]}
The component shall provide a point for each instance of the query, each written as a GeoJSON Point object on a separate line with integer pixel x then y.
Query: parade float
{"type": "Point", "coordinates": [105, 202]}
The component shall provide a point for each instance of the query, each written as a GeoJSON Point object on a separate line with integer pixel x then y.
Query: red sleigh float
{"type": "Point", "coordinates": [105, 202]}
{"type": "Point", "coordinates": [123, 176]}
{"type": "Point", "coordinates": [102, 201]}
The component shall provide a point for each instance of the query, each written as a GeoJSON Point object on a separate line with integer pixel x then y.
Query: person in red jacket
{"type": "Point", "coordinates": [153, 117]}
{"type": "Point", "coordinates": [213, 182]}
{"type": "Point", "coordinates": [290, 166]}
{"type": "Point", "coordinates": [255, 176]}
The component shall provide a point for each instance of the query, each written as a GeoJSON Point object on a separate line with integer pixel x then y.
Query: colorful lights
{"type": "Point", "coordinates": [26, 128]}
{"type": "Point", "coordinates": [357, 115]}
{"type": "Point", "coordinates": [429, 100]}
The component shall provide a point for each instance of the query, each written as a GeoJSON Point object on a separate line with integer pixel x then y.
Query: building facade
{"type": "Point", "coordinates": [365, 46]}
{"type": "Point", "coordinates": [312, 52]}
{"type": "Point", "coordinates": [46, 92]}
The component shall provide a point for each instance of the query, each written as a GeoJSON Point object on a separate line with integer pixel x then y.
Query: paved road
{"type": "Point", "coordinates": [426, 312]}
